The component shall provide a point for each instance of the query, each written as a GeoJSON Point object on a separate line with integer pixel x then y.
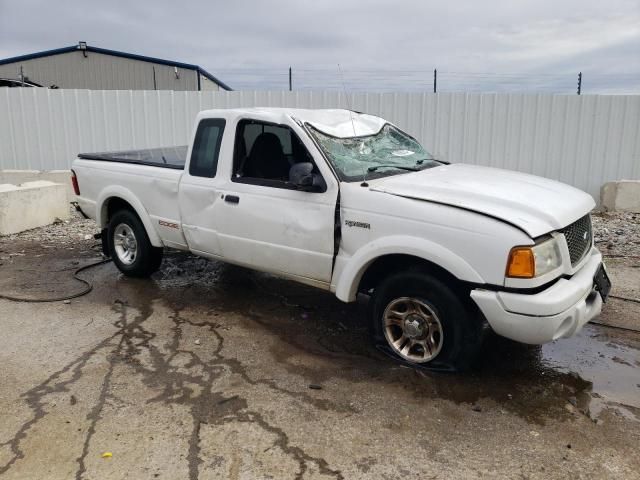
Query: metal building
{"type": "Point", "coordinates": [86, 67]}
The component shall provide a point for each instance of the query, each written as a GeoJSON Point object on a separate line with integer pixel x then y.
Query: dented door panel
{"type": "Point", "coordinates": [280, 230]}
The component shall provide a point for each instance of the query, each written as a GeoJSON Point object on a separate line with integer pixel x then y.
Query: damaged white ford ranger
{"type": "Point", "coordinates": [348, 202]}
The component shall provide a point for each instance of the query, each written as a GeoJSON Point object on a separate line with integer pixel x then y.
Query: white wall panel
{"type": "Point", "coordinates": [582, 140]}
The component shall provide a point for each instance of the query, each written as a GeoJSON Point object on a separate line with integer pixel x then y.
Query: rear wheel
{"type": "Point", "coordinates": [130, 247]}
{"type": "Point", "coordinates": [421, 320]}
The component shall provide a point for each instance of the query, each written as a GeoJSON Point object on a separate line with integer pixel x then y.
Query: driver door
{"type": "Point", "coordinates": [264, 222]}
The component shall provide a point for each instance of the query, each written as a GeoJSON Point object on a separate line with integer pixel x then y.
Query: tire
{"type": "Point", "coordinates": [130, 247]}
{"type": "Point", "coordinates": [430, 323]}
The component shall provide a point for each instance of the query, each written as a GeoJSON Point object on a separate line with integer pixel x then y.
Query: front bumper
{"type": "Point", "coordinates": [559, 311]}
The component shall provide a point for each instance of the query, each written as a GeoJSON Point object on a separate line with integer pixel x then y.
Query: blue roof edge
{"type": "Point", "coordinates": [116, 53]}
{"type": "Point", "coordinates": [30, 56]}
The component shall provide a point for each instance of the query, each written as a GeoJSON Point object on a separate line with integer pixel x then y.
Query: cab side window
{"type": "Point", "coordinates": [264, 153]}
{"type": "Point", "coordinates": [206, 148]}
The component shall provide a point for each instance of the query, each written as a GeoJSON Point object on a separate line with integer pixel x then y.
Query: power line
{"type": "Point", "coordinates": [419, 80]}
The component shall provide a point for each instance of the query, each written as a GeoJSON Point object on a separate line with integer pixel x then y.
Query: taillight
{"type": "Point", "coordinates": [74, 182]}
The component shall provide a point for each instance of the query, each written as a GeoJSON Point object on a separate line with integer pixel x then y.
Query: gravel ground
{"type": "Point", "coordinates": [617, 233]}
{"type": "Point", "coordinates": [62, 232]}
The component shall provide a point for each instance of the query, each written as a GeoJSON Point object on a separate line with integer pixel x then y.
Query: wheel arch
{"type": "Point", "coordinates": [386, 265]}
{"type": "Point", "coordinates": [385, 256]}
{"type": "Point", "coordinates": [116, 198]}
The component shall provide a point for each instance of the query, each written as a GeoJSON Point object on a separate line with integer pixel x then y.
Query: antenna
{"type": "Point", "coordinates": [344, 88]}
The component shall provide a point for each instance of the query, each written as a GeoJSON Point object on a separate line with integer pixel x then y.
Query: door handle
{"type": "Point", "coordinates": [232, 199]}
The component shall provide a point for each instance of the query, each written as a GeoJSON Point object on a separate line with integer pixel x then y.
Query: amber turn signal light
{"type": "Point", "coordinates": [521, 263]}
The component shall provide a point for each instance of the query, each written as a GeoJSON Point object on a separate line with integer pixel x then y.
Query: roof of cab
{"type": "Point", "coordinates": [340, 123]}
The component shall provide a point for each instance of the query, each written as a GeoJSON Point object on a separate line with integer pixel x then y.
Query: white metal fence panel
{"type": "Point", "coordinates": [581, 140]}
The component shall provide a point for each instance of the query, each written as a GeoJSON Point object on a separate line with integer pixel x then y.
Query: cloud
{"type": "Point", "coordinates": [494, 45]}
{"type": "Point", "coordinates": [566, 39]}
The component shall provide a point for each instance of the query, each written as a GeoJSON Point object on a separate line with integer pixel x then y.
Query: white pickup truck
{"type": "Point", "coordinates": [349, 203]}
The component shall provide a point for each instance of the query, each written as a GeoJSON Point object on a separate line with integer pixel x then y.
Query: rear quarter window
{"type": "Point", "coordinates": [206, 148]}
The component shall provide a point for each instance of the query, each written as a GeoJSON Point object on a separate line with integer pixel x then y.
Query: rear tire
{"type": "Point", "coordinates": [420, 320]}
{"type": "Point", "coordinates": [130, 247]}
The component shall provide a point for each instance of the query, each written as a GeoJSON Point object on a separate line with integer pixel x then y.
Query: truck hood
{"type": "Point", "coordinates": [534, 204]}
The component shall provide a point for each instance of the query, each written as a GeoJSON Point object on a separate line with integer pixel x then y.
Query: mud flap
{"type": "Point", "coordinates": [104, 238]}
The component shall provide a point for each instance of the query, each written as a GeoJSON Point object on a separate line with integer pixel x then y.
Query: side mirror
{"type": "Point", "coordinates": [301, 175]}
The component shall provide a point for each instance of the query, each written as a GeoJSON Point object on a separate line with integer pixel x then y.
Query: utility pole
{"type": "Point", "coordinates": [290, 80]}
{"type": "Point", "coordinates": [579, 83]}
{"type": "Point", "coordinates": [435, 80]}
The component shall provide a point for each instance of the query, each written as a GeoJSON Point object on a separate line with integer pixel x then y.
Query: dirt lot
{"type": "Point", "coordinates": [210, 371]}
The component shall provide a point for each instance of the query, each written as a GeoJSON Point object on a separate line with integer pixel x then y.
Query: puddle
{"type": "Point", "coordinates": [603, 357]}
{"type": "Point", "coordinates": [598, 368]}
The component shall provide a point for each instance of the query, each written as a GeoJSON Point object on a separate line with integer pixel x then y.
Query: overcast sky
{"type": "Point", "coordinates": [488, 45]}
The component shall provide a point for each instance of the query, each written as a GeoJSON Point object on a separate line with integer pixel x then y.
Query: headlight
{"type": "Point", "coordinates": [529, 262]}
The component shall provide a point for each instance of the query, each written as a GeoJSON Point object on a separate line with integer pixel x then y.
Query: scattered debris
{"type": "Point", "coordinates": [107, 455]}
{"type": "Point", "coordinates": [573, 401]}
{"type": "Point", "coordinates": [315, 386]}
{"type": "Point", "coordinates": [476, 408]}
{"type": "Point", "coordinates": [66, 302]}
{"type": "Point", "coordinates": [73, 400]}
{"type": "Point", "coordinates": [197, 342]}
{"type": "Point", "coordinates": [225, 400]}
{"type": "Point", "coordinates": [621, 361]}
{"type": "Point", "coordinates": [617, 233]}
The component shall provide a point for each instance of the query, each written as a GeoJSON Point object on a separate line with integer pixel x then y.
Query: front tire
{"type": "Point", "coordinates": [422, 321]}
{"type": "Point", "coordinates": [130, 247]}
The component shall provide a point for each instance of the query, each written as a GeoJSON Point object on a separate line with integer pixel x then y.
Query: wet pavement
{"type": "Point", "coordinates": [213, 371]}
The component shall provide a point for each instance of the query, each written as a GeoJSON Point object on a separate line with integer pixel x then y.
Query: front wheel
{"type": "Point", "coordinates": [421, 320]}
{"type": "Point", "coordinates": [130, 247]}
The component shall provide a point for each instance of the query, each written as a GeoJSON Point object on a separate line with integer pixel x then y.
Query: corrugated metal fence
{"type": "Point", "coordinates": [581, 140]}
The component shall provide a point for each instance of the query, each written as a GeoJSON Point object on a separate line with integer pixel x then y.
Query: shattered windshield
{"type": "Point", "coordinates": [388, 152]}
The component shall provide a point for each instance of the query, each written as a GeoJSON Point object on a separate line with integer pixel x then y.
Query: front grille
{"type": "Point", "coordinates": [578, 236]}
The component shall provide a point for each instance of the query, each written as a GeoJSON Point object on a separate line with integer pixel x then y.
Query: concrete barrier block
{"type": "Point", "coordinates": [31, 205]}
{"type": "Point", "coordinates": [621, 196]}
{"type": "Point", "coordinates": [17, 177]}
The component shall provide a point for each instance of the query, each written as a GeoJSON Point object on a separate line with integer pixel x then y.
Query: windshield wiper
{"type": "Point", "coordinates": [400, 167]}
{"type": "Point", "coordinates": [422, 160]}
{"type": "Point", "coordinates": [373, 168]}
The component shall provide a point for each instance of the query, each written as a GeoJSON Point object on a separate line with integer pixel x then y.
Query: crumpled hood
{"type": "Point", "coordinates": [536, 205]}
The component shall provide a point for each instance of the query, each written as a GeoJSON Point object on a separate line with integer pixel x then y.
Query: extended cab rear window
{"type": "Point", "coordinates": [206, 148]}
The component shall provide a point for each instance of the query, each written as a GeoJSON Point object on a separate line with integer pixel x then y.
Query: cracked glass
{"type": "Point", "coordinates": [387, 152]}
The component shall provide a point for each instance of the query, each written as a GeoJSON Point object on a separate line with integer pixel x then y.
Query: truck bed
{"type": "Point", "coordinates": [165, 157]}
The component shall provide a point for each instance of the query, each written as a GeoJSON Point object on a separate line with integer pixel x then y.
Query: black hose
{"type": "Point", "coordinates": [88, 287]}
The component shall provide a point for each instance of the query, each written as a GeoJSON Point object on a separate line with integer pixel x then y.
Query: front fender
{"type": "Point", "coordinates": [123, 193]}
{"type": "Point", "coordinates": [349, 276]}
